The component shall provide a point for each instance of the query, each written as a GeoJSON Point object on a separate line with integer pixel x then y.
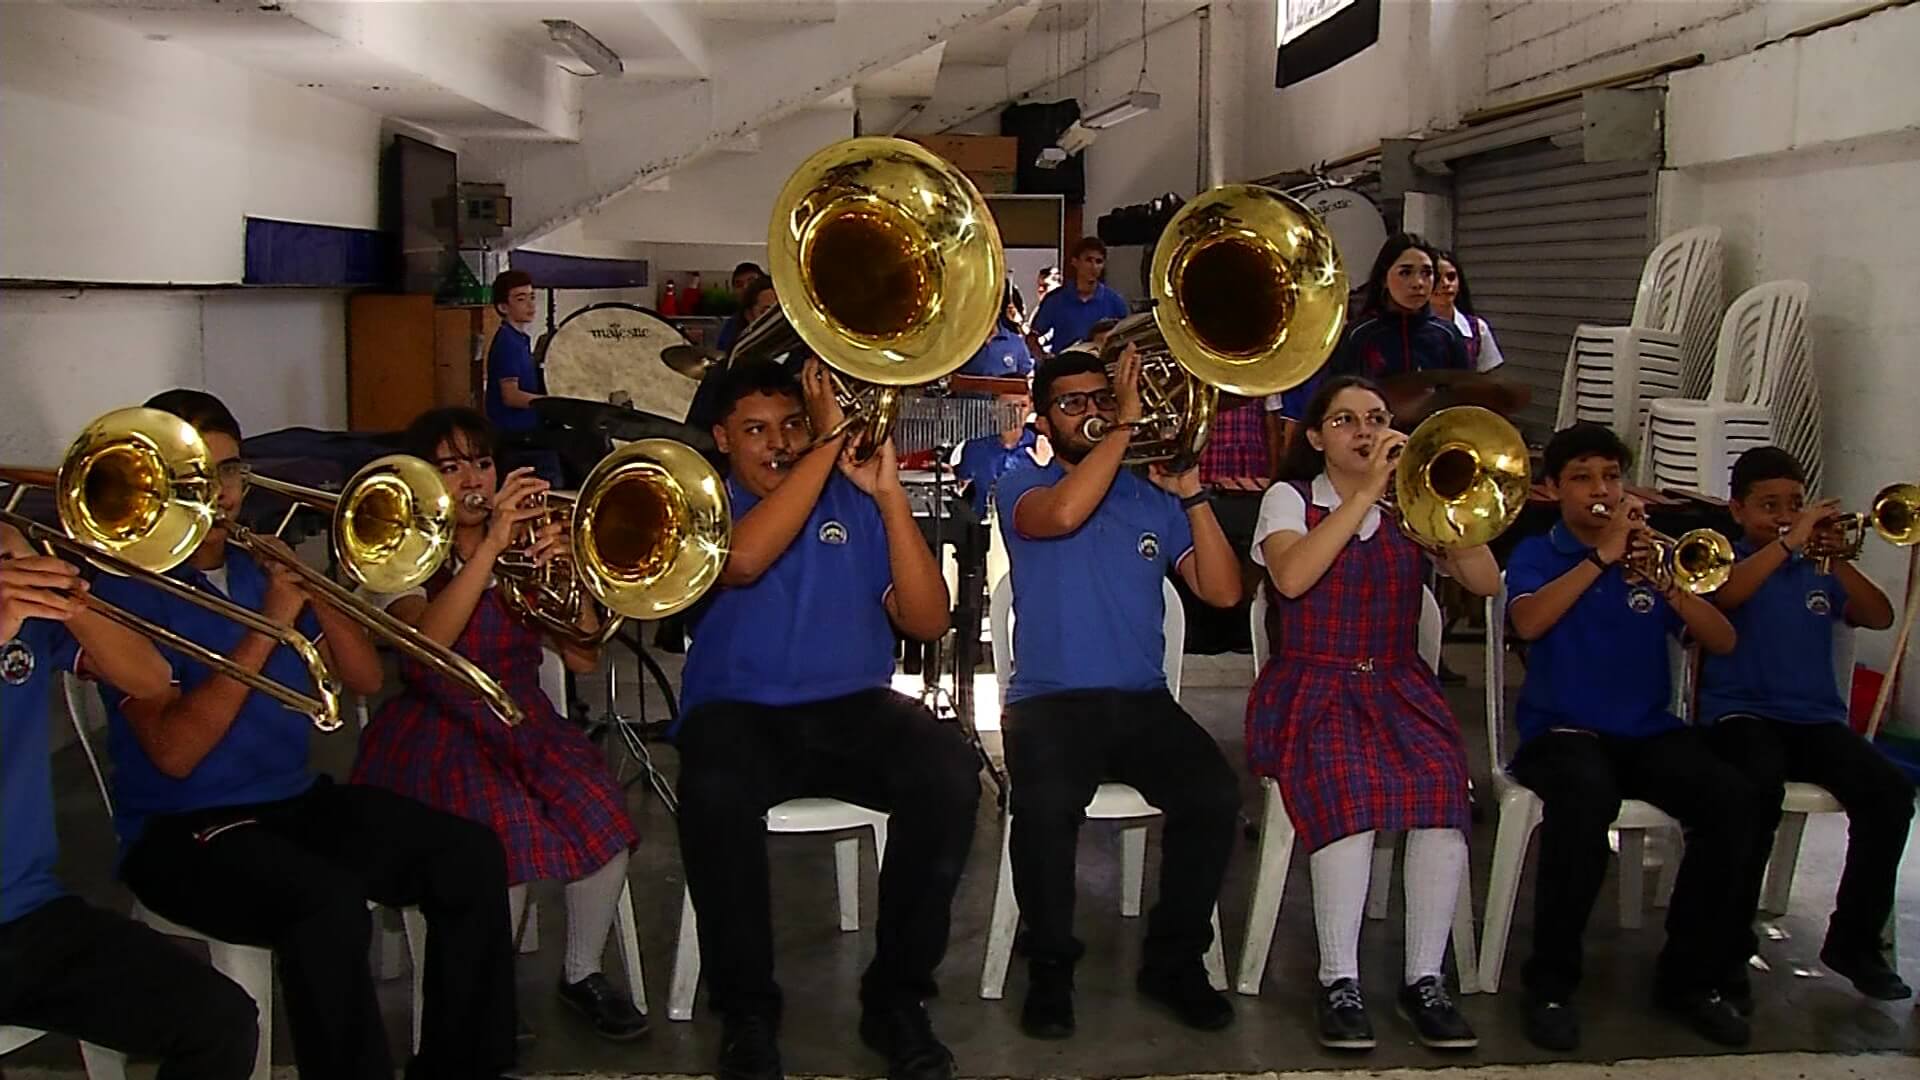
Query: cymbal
{"type": "Point", "coordinates": [689, 360]}
{"type": "Point", "coordinates": [618, 422]}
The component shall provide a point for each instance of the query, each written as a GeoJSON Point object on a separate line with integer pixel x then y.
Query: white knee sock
{"type": "Point", "coordinates": [592, 903]}
{"type": "Point", "coordinates": [1436, 861]}
{"type": "Point", "coordinates": [1340, 873]}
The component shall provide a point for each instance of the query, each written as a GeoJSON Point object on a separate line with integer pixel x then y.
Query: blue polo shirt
{"type": "Point", "coordinates": [1069, 317]}
{"type": "Point", "coordinates": [262, 757]}
{"type": "Point", "coordinates": [1782, 665]}
{"type": "Point", "coordinates": [1603, 666]}
{"type": "Point", "coordinates": [983, 461]}
{"type": "Point", "coordinates": [28, 845]}
{"type": "Point", "coordinates": [1003, 356]}
{"type": "Point", "coordinates": [510, 356]}
{"type": "Point", "coordinates": [813, 627]}
{"type": "Point", "coordinates": [1087, 606]}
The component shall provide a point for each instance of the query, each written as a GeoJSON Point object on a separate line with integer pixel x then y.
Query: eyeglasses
{"type": "Point", "coordinates": [1374, 420]}
{"type": "Point", "coordinates": [1075, 404]}
{"type": "Point", "coordinates": [233, 472]}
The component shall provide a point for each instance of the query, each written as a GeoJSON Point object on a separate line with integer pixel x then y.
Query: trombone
{"type": "Point", "coordinates": [135, 497]}
{"type": "Point", "coordinates": [1894, 514]}
{"type": "Point", "coordinates": [392, 530]}
{"type": "Point", "coordinates": [1460, 479]}
{"type": "Point", "coordinates": [1699, 561]}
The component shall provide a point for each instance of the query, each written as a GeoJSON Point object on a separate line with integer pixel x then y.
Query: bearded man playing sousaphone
{"type": "Point", "coordinates": [786, 694]}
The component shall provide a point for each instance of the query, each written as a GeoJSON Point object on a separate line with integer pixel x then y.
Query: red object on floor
{"type": "Point", "coordinates": [1866, 687]}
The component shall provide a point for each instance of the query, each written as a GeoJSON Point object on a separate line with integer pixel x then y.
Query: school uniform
{"type": "Point", "coordinates": [1595, 729]}
{"type": "Point", "coordinates": [1088, 702]}
{"type": "Point", "coordinates": [1384, 344]}
{"type": "Point", "coordinates": [1004, 356]}
{"type": "Point", "coordinates": [983, 461]}
{"type": "Point", "coordinates": [1776, 714]}
{"type": "Point", "coordinates": [1483, 352]}
{"type": "Point", "coordinates": [1065, 318]}
{"type": "Point", "coordinates": [786, 693]}
{"type": "Point", "coordinates": [251, 847]}
{"type": "Point", "coordinates": [69, 967]}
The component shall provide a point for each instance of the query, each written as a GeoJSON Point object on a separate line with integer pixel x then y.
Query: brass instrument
{"type": "Point", "coordinates": [888, 266]}
{"type": "Point", "coordinates": [135, 495]}
{"type": "Point", "coordinates": [1461, 478]}
{"type": "Point", "coordinates": [1248, 296]}
{"type": "Point", "coordinates": [1699, 561]}
{"type": "Point", "coordinates": [1894, 514]}
{"type": "Point", "coordinates": [650, 530]}
{"type": "Point", "coordinates": [392, 529]}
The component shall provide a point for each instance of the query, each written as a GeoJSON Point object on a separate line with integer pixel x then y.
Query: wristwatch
{"type": "Point", "coordinates": [1204, 495]}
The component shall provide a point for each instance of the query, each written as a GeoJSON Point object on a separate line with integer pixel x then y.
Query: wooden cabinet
{"type": "Point", "coordinates": [406, 355]}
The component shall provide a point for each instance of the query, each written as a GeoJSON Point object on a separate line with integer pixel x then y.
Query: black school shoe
{"type": "Point", "coordinates": [1869, 973]}
{"type": "Point", "coordinates": [903, 1033]}
{"type": "Point", "coordinates": [749, 1048]}
{"type": "Point", "coordinates": [610, 1013]}
{"type": "Point", "coordinates": [1436, 1020]}
{"type": "Point", "coordinates": [1342, 1015]}
{"type": "Point", "coordinates": [1711, 1016]}
{"type": "Point", "coordinates": [1553, 1025]}
{"type": "Point", "coordinates": [1184, 989]}
{"type": "Point", "coordinates": [1048, 1013]}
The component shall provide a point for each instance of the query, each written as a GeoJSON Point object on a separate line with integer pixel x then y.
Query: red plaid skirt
{"type": "Point", "coordinates": [1346, 716]}
{"type": "Point", "coordinates": [542, 786]}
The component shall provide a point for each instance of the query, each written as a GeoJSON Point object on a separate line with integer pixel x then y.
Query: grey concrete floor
{"type": "Point", "coordinates": [1802, 1007]}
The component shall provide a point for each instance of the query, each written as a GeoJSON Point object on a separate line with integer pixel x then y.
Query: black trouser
{"type": "Point", "coordinates": [1059, 749]}
{"type": "Point", "coordinates": [296, 876]}
{"type": "Point", "coordinates": [876, 749]}
{"type": "Point", "coordinates": [1582, 778]}
{"type": "Point", "coordinates": [75, 970]}
{"type": "Point", "coordinates": [1878, 798]}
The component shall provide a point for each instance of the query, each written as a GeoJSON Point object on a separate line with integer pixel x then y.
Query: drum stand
{"type": "Point", "coordinates": [633, 733]}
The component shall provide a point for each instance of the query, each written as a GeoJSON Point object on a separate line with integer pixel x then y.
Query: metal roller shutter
{"type": "Point", "coordinates": [1550, 241]}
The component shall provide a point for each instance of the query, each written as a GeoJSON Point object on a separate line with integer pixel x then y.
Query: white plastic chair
{"type": "Point", "coordinates": [250, 966]}
{"type": "Point", "coordinates": [1277, 836]}
{"type": "Point", "coordinates": [100, 1062]}
{"type": "Point", "coordinates": [1111, 802]}
{"type": "Point", "coordinates": [1681, 293]}
{"type": "Point", "coordinates": [1520, 814]}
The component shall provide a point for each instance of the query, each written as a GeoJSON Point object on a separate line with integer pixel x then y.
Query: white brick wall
{"type": "Point", "coordinates": [1536, 46]}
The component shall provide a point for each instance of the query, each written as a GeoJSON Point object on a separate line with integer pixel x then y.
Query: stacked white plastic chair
{"type": "Point", "coordinates": [1763, 391]}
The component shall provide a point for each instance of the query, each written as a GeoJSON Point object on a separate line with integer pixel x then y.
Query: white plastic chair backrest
{"type": "Point", "coordinates": [1429, 637]}
{"type": "Point", "coordinates": [1681, 291]}
{"type": "Point", "coordinates": [13, 1038]}
{"type": "Point", "coordinates": [1173, 628]}
{"type": "Point", "coordinates": [1496, 677]}
{"type": "Point", "coordinates": [1755, 334]}
{"type": "Point", "coordinates": [553, 678]}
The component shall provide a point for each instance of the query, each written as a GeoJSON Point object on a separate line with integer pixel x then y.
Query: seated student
{"type": "Point", "coordinates": [744, 275]}
{"type": "Point", "coordinates": [65, 965]}
{"type": "Point", "coordinates": [786, 693]}
{"type": "Point", "coordinates": [1349, 718]}
{"type": "Point", "coordinates": [983, 461]}
{"type": "Point", "coordinates": [542, 786]}
{"type": "Point", "coordinates": [1090, 546]}
{"type": "Point", "coordinates": [1595, 729]}
{"type": "Point", "coordinates": [1777, 715]}
{"type": "Point", "coordinates": [1066, 316]}
{"type": "Point", "coordinates": [225, 828]}
{"type": "Point", "coordinates": [1005, 353]}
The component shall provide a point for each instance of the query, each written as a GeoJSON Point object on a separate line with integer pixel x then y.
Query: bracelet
{"type": "Point", "coordinates": [1202, 497]}
{"type": "Point", "coordinates": [1593, 556]}
{"type": "Point", "coordinates": [1782, 541]}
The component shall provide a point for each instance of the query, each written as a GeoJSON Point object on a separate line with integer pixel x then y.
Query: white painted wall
{"type": "Point", "coordinates": [1811, 165]}
{"type": "Point", "coordinates": [1152, 154]}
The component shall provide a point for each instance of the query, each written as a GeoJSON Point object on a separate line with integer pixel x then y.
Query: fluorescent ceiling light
{"type": "Point", "coordinates": [591, 50]}
{"type": "Point", "coordinates": [1137, 103]}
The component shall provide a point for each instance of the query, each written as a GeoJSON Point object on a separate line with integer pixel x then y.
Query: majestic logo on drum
{"type": "Point", "coordinates": [1819, 602]}
{"type": "Point", "coordinates": [16, 662]}
{"type": "Point", "coordinates": [832, 532]}
{"type": "Point", "coordinates": [1148, 547]}
{"type": "Point", "coordinates": [616, 332]}
{"type": "Point", "coordinates": [1641, 600]}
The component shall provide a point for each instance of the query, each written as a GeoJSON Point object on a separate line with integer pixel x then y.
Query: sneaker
{"type": "Point", "coordinates": [1343, 1017]}
{"type": "Point", "coordinates": [1869, 973]}
{"type": "Point", "coordinates": [1553, 1025]}
{"type": "Point", "coordinates": [1435, 1019]}
{"type": "Point", "coordinates": [904, 1034]}
{"type": "Point", "coordinates": [749, 1048]}
{"type": "Point", "coordinates": [1711, 1016]}
{"type": "Point", "coordinates": [1185, 990]}
{"type": "Point", "coordinates": [608, 1010]}
{"type": "Point", "coordinates": [1048, 1013]}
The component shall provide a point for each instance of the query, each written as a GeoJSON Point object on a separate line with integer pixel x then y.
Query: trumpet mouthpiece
{"type": "Point", "coordinates": [473, 500]}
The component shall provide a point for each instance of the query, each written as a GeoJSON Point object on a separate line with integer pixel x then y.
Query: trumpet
{"type": "Point", "coordinates": [650, 530]}
{"type": "Point", "coordinates": [1699, 561]}
{"type": "Point", "coordinates": [392, 530]}
{"type": "Point", "coordinates": [1894, 514]}
{"type": "Point", "coordinates": [135, 497]}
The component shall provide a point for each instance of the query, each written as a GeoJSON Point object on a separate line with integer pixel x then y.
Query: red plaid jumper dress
{"type": "Point", "coordinates": [1346, 716]}
{"type": "Point", "coordinates": [542, 786]}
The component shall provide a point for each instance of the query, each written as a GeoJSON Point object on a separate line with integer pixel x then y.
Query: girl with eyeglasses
{"type": "Point", "coordinates": [1348, 719]}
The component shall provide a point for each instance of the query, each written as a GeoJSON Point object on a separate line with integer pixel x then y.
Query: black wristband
{"type": "Point", "coordinates": [1204, 495]}
{"type": "Point", "coordinates": [1593, 557]}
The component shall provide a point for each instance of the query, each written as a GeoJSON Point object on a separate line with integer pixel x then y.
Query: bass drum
{"type": "Point", "coordinates": [1359, 228]}
{"type": "Point", "coordinates": [614, 353]}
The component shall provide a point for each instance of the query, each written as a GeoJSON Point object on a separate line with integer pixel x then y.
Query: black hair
{"type": "Point", "coordinates": [208, 414]}
{"type": "Point", "coordinates": [507, 281]}
{"type": "Point", "coordinates": [1463, 299]}
{"type": "Point", "coordinates": [732, 385]}
{"type": "Point", "coordinates": [748, 268]}
{"type": "Point", "coordinates": [1584, 439]}
{"type": "Point", "coordinates": [1060, 366]}
{"type": "Point", "coordinates": [1375, 301]}
{"type": "Point", "coordinates": [760, 284]}
{"type": "Point", "coordinates": [1764, 463]}
{"type": "Point", "coordinates": [430, 429]}
{"type": "Point", "coordinates": [1085, 244]}
{"type": "Point", "coordinates": [1304, 460]}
